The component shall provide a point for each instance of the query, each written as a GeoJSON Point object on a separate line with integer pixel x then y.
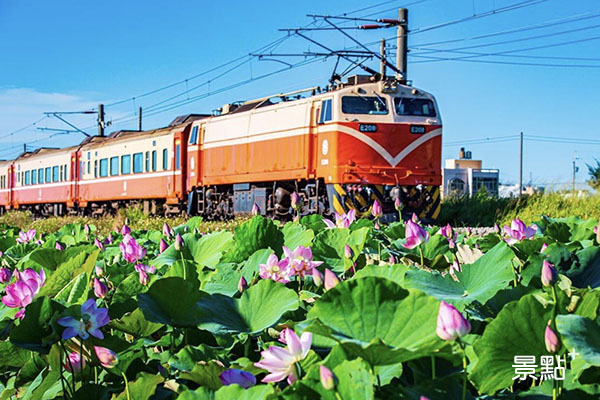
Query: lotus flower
{"type": "Point", "coordinates": [163, 246]}
{"type": "Point", "coordinates": [74, 363]}
{"type": "Point", "coordinates": [301, 260]}
{"type": "Point", "coordinates": [296, 201]}
{"type": "Point", "coordinates": [544, 247]}
{"type": "Point", "coordinates": [22, 292]}
{"type": "Point", "coordinates": [100, 289]}
{"type": "Point", "coordinates": [26, 237]}
{"type": "Point", "coordinates": [109, 239]}
{"type": "Point", "coordinates": [551, 340]}
{"type": "Point", "coordinates": [5, 275]}
{"type": "Point", "coordinates": [549, 274]}
{"type": "Point", "coordinates": [237, 376]}
{"type": "Point", "coordinates": [143, 270]}
{"type": "Point", "coordinates": [59, 246]}
{"type": "Point", "coordinates": [107, 357]}
{"type": "Point", "coordinates": [597, 232]}
{"type": "Point", "coordinates": [279, 271]}
{"type": "Point", "coordinates": [99, 271]}
{"type": "Point", "coordinates": [280, 362]}
{"type": "Point", "coordinates": [376, 209]}
{"type": "Point", "coordinates": [255, 209]}
{"type": "Point", "coordinates": [327, 377]}
{"type": "Point", "coordinates": [125, 230]}
{"type": "Point", "coordinates": [342, 221]}
{"type": "Point", "coordinates": [398, 204]}
{"type": "Point", "coordinates": [167, 230]}
{"type": "Point", "coordinates": [348, 252]}
{"type": "Point", "coordinates": [415, 235]}
{"type": "Point", "coordinates": [414, 218]}
{"type": "Point", "coordinates": [317, 277]}
{"type": "Point", "coordinates": [518, 231]}
{"type": "Point", "coordinates": [92, 319]}
{"type": "Point", "coordinates": [454, 268]}
{"type": "Point", "coordinates": [99, 244]}
{"type": "Point", "coordinates": [131, 250]}
{"type": "Point", "coordinates": [450, 323]}
{"type": "Point", "coordinates": [242, 284]}
{"type": "Point", "coordinates": [331, 279]}
{"type": "Point", "coordinates": [179, 243]}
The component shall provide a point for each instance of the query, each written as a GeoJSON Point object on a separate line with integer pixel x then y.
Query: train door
{"type": "Point", "coordinates": [179, 164]}
{"type": "Point", "coordinates": [193, 157]}
{"type": "Point", "coordinates": [11, 185]}
{"type": "Point", "coordinates": [74, 178]}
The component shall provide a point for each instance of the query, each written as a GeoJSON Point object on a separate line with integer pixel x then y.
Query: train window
{"type": "Point", "coordinates": [61, 174]}
{"type": "Point", "coordinates": [154, 160]}
{"type": "Point", "coordinates": [48, 173]}
{"type": "Point", "coordinates": [177, 156]}
{"type": "Point", "coordinates": [40, 173]}
{"type": "Point", "coordinates": [55, 173]}
{"type": "Point", "coordinates": [27, 177]}
{"type": "Point", "coordinates": [147, 161]}
{"type": "Point", "coordinates": [194, 135]}
{"type": "Point", "coordinates": [114, 166]}
{"type": "Point", "coordinates": [374, 105]}
{"type": "Point", "coordinates": [95, 168]}
{"type": "Point", "coordinates": [89, 155]}
{"type": "Point", "coordinates": [89, 164]}
{"type": "Point", "coordinates": [415, 107]}
{"type": "Point", "coordinates": [138, 163]}
{"type": "Point", "coordinates": [104, 167]}
{"type": "Point", "coordinates": [126, 164]}
{"type": "Point", "coordinates": [325, 111]}
{"type": "Point", "coordinates": [66, 173]}
{"type": "Point", "coordinates": [34, 177]}
{"type": "Point", "coordinates": [165, 159]}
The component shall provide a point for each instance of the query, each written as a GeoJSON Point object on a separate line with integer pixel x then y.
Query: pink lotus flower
{"type": "Point", "coordinates": [317, 277]}
{"type": "Point", "coordinates": [59, 246]}
{"type": "Point", "coordinates": [348, 252]}
{"type": "Point", "coordinates": [376, 209]}
{"type": "Point", "coordinates": [327, 377]}
{"type": "Point", "coordinates": [549, 274]}
{"type": "Point", "coordinates": [125, 230]}
{"type": "Point", "coordinates": [414, 218]}
{"type": "Point", "coordinates": [296, 201]}
{"type": "Point", "coordinates": [300, 260]}
{"type": "Point", "coordinates": [144, 270]}
{"type": "Point", "coordinates": [279, 271]}
{"type": "Point", "coordinates": [450, 323]}
{"type": "Point", "coordinates": [237, 376]}
{"type": "Point", "coordinates": [597, 232]}
{"type": "Point", "coordinates": [107, 357]}
{"type": "Point", "coordinates": [22, 292]}
{"type": "Point", "coordinates": [179, 243]}
{"type": "Point", "coordinates": [415, 235]}
{"type": "Point", "coordinates": [100, 289]}
{"type": "Point", "coordinates": [5, 275]}
{"type": "Point", "coordinates": [92, 319]}
{"type": "Point", "coordinates": [331, 279]}
{"type": "Point", "coordinates": [454, 268]}
{"type": "Point", "coordinates": [342, 221]}
{"type": "Point", "coordinates": [449, 234]}
{"type": "Point", "coordinates": [109, 239]}
{"type": "Point", "coordinates": [163, 246]}
{"type": "Point", "coordinates": [242, 284]}
{"type": "Point", "coordinates": [551, 340]}
{"type": "Point", "coordinates": [281, 362]}
{"type": "Point", "coordinates": [544, 247]}
{"type": "Point", "coordinates": [518, 231]}
{"type": "Point", "coordinates": [131, 250]}
{"type": "Point", "coordinates": [99, 271]}
{"type": "Point", "coordinates": [26, 237]}
{"type": "Point", "coordinates": [255, 209]}
{"type": "Point", "coordinates": [167, 230]}
{"type": "Point", "coordinates": [74, 363]}
{"type": "Point", "coordinates": [99, 244]}
{"type": "Point", "coordinates": [398, 204]}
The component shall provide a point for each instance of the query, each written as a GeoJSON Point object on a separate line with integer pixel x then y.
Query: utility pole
{"type": "Point", "coordinates": [575, 170]}
{"type": "Point", "coordinates": [401, 43]}
{"type": "Point", "coordinates": [521, 167]}
{"type": "Point", "coordinates": [382, 62]}
{"type": "Point", "coordinates": [100, 119]}
{"type": "Point", "coordinates": [140, 119]}
{"type": "Point", "coordinates": [24, 147]}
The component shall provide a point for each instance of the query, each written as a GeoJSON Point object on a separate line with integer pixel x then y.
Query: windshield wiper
{"type": "Point", "coordinates": [380, 99]}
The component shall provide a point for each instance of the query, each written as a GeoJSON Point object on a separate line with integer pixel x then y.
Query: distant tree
{"type": "Point", "coordinates": [594, 171]}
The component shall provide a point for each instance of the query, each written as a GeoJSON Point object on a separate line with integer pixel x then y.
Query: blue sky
{"type": "Point", "coordinates": [71, 55]}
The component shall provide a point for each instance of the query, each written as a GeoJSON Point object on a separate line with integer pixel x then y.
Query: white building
{"type": "Point", "coordinates": [465, 176]}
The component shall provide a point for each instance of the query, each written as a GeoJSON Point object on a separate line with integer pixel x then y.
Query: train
{"type": "Point", "coordinates": [340, 148]}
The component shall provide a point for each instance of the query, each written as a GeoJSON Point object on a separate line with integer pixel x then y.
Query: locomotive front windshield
{"type": "Point", "coordinates": [374, 105]}
{"type": "Point", "coordinates": [414, 107]}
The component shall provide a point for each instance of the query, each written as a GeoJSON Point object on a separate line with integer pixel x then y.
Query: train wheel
{"type": "Point", "coordinates": [423, 201]}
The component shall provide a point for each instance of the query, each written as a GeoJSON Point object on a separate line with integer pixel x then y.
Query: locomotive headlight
{"type": "Point", "coordinates": [367, 128]}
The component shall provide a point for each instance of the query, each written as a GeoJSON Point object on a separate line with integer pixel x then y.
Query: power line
{"type": "Point", "coordinates": [24, 128]}
{"type": "Point", "coordinates": [518, 55]}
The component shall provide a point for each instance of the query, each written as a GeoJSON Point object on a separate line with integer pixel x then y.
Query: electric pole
{"type": "Point", "coordinates": [100, 119]}
{"type": "Point", "coordinates": [401, 43]}
{"type": "Point", "coordinates": [521, 167]}
{"type": "Point", "coordinates": [140, 119]}
{"type": "Point", "coordinates": [575, 170]}
{"type": "Point", "coordinates": [382, 63]}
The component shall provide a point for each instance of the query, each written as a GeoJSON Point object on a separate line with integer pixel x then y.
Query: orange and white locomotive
{"type": "Point", "coordinates": [340, 149]}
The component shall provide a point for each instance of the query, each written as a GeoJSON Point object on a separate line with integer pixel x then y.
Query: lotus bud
{"type": "Point", "coordinates": [255, 209]}
{"type": "Point", "coordinates": [327, 378]}
{"type": "Point", "coordinates": [317, 277]}
{"type": "Point", "coordinates": [376, 226]}
{"type": "Point", "coordinates": [376, 210]}
{"type": "Point", "coordinates": [86, 229]}
{"type": "Point", "coordinates": [331, 279]}
{"type": "Point", "coordinates": [125, 230]}
{"type": "Point", "coordinates": [544, 247]}
{"type": "Point", "coordinates": [414, 218]}
{"type": "Point", "coordinates": [552, 341]}
{"type": "Point", "coordinates": [166, 230]}
{"type": "Point", "coordinates": [110, 238]}
{"type": "Point", "coordinates": [107, 357]}
{"type": "Point", "coordinates": [597, 232]}
{"type": "Point", "coordinates": [99, 244]}
{"type": "Point", "coordinates": [178, 242]}
{"type": "Point", "coordinates": [496, 228]}
{"type": "Point", "coordinates": [468, 231]}
{"type": "Point", "coordinates": [398, 204]}
{"type": "Point", "coordinates": [348, 252]}
{"type": "Point", "coordinates": [74, 363]}
{"type": "Point", "coordinates": [5, 275]}
{"type": "Point", "coordinates": [163, 245]}
{"type": "Point", "coordinates": [100, 289]}
{"type": "Point", "coordinates": [59, 246]}
{"type": "Point", "coordinates": [296, 201]}
{"type": "Point", "coordinates": [242, 284]}
{"type": "Point", "coordinates": [99, 272]}
{"type": "Point", "coordinates": [447, 232]}
{"type": "Point", "coordinates": [549, 274]}
{"type": "Point", "coordinates": [450, 323]}
{"type": "Point", "coordinates": [392, 259]}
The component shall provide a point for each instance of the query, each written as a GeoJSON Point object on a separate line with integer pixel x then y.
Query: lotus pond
{"type": "Point", "coordinates": [309, 309]}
